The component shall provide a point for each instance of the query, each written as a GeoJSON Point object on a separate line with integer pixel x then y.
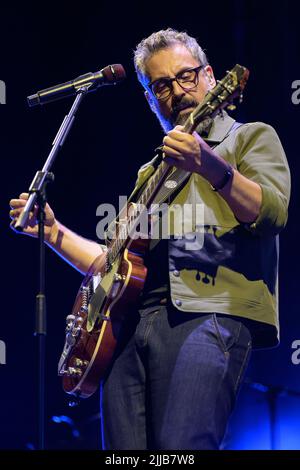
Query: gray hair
{"type": "Point", "coordinates": [162, 40]}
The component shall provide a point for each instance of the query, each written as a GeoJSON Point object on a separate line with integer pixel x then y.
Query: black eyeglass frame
{"type": "Point", "coordinates": [170, 80]}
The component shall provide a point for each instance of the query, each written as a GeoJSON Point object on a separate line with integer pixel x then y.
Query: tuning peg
{"type": "Point", "coordinates": [231, 107]}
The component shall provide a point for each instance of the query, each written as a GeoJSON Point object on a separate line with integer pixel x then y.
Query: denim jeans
{"type": "Point", "coordinates": [174, 381]}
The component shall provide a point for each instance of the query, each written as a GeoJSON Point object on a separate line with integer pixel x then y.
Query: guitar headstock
{"type": "Point", "coordinates": [220, 97]}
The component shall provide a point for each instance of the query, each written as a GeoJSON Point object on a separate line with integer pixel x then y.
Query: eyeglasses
{"type": "Point", "coordinates": [187, 79]}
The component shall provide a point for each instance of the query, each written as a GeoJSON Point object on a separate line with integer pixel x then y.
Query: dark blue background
{"type": "Point", "coordinates": [113, 135]}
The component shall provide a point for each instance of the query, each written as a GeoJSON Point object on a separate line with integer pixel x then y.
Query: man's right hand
{"type": "Point", "coordinates": [31, 229]}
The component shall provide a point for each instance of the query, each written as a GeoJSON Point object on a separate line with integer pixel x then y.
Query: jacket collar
{"type": "Point", "coordinates": [220, 127]}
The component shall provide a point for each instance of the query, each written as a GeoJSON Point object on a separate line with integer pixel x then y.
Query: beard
{"type": "Point", "coordinates": [177, 118]}
{"type": "Point", "coordinates": [181, 118]}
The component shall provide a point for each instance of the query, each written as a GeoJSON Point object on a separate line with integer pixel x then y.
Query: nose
{"type": "Point", "coordinates": [177, 89]}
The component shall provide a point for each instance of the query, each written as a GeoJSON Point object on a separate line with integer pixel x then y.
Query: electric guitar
{"type": "Point", "coordinates": [116, 278]}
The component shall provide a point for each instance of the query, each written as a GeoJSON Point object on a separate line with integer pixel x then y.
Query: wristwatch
{"type": "Point", "coordinates": [227, 176]}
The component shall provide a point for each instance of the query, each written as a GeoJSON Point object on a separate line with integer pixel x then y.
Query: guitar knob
{"type": "Point", "coordinates": [70, 322]}
{"type": "Point", "coordinates": [70, 318]}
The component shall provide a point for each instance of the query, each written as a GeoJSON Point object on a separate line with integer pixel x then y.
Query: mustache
{"type": "Point", "coordinates": [184, 103]}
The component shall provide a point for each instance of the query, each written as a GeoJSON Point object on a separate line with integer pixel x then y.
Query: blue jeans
{"type": "Point", "coordinates": [174, 381]}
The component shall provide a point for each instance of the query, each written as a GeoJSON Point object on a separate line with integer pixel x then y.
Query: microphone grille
{"type": "Point", "coordinates": [114, 73]}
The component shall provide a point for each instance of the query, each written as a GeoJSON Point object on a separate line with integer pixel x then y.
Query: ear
{"type": "Point", "coordinates": [150, 100]}
{"type": "Point", "coordinates": [210, 76]}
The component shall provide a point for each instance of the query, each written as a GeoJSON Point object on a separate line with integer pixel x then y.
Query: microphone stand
{"type": "Point", "coordinates": [38, 197]}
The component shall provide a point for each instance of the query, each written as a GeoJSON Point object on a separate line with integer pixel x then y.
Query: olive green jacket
{"type": "Point", "coordinates": [234, 268]}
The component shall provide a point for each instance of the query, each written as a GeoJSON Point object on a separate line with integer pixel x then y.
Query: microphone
{"type": "Point", "coordinates": [110, 75]}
